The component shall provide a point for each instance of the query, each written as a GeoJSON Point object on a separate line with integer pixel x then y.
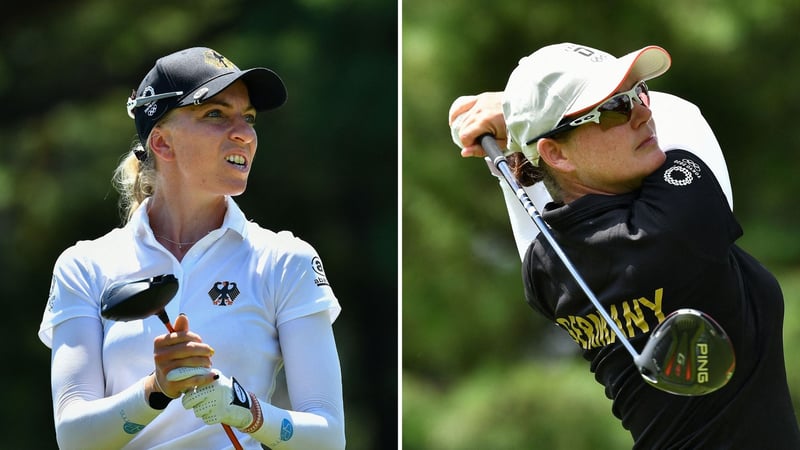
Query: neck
{"type": "Point", "coordinates": [179, 224]}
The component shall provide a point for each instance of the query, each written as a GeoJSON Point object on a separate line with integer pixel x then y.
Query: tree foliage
{"type": "Point", "coordinates": [326, 167]}
{"type": "Point", "coordinates": [463, 308]}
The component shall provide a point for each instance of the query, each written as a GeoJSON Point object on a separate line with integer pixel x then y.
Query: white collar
{"type": "Point", "coordinates": [234, 220]}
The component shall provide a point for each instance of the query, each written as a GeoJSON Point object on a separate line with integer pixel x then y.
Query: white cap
{"type": "Point", "coordinates": [568, 79]}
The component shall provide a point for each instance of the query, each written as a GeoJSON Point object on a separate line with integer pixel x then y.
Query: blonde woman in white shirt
{"type": "Point", "coordinates": [258, 300]}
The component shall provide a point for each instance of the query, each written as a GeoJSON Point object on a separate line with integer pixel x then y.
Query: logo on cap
{"type": "Point", "coordinates": [592, 54]}
{"type": "Point", "coordinates": [199, 94]}
{"type": "Point", "coordinates": [150, 108]}
{"type": "Point", "coordinates": [215, 59]}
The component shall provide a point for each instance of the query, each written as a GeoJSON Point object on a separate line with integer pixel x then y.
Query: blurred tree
{"type": "Point", "coordinates": [463, 307]}
{"type": "Point", "coordinates": [327, 165]}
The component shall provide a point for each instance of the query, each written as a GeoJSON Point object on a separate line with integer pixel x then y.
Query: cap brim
{"type": "Point", "coordinates": [644, 64]}
{"type": "Point", "coordinates": [267, 90]}
{"type": "Point", "coordinates": [264, 86]}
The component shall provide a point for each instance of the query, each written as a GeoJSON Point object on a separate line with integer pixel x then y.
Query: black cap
{"type": "Point", "coordinates": [188, 77]}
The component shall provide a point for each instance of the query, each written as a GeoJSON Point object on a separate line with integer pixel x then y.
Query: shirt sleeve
{"type": "Point", "coordinates": [84, 417]}
{"type": "Point", "coordinates": [522, 225]}
{"type": "Point", "coordinates": [683, 202]}
{"type": "Point", "coordinates": [300, 284]}
{"type": "Point", "coordinates": [681, 125]}
{"type": "Point", "coordinates": [314, 382]}
{"type": "Point", "coordinates": [72, 294]}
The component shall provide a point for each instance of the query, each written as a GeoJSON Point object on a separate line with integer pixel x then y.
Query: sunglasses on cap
{"type": "Point", "coordinates": [613, 112]}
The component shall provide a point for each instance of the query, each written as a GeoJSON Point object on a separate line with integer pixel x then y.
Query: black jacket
{"type": "Point", "coordinates": [644, 254]}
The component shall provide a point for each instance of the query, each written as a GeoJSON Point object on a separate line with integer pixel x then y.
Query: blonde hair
{"type": "Point", "coordinates": [134, 180]}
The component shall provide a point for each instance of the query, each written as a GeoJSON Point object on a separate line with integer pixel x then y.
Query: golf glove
{"type": "Point", "coordinates": [225, 401]}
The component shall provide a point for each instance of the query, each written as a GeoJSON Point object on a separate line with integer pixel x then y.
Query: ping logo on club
{"type": "Point", "coordinates": [223, 293]}
{"type": "Point", "coordinates": [702, 362]}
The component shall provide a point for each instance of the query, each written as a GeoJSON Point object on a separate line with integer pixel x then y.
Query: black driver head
{"type": "Point", "coordinates": [687, 354]}
{"type": "Point", "coordinates": [134, 300]}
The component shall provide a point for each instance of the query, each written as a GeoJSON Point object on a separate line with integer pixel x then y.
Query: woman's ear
{"type": "Point", "coordinates": [555, 154]}
{"type": "Point", "coordinates": [160, 143]}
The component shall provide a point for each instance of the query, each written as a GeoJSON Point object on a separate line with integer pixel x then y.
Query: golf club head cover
{"type": "Point", "coordinates": [225, 401]}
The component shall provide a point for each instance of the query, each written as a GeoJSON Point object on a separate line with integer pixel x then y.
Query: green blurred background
{"type": "Point", "coordinates": [326, 167]}
{"type": "Point", "coordinates": [480, 369]}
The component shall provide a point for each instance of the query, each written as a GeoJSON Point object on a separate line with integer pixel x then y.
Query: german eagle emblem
{"type": "Point", "coordinates": [223, 293]}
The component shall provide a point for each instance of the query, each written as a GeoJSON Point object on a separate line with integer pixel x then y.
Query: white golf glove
{"type": "Point", "coordinates": [225, 401]}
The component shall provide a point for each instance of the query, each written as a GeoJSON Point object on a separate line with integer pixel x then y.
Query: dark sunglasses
{"type": "Point", "coordinates": [613, 112]}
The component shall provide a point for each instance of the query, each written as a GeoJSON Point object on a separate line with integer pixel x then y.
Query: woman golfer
{"type": "Point", "coordinates": [258, 301]}
{"type": "Point", "coordinates": [651, 231]}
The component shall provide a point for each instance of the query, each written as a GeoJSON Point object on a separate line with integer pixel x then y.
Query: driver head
{"type": "Point", "coordinates": [687, 354]}
{"type": "Point", "coordinates": [134, 300]}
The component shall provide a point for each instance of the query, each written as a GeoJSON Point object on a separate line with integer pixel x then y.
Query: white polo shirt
{"type": "Point", "coordinates": [236, 286]}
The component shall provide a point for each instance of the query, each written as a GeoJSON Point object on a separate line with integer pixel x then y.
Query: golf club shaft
{"type": "Point", "coordinates": [162, 315]}
{"type": "Point", "coordinates": [495, 155]}
{"type": "Point", "coordinates": [167, 323]}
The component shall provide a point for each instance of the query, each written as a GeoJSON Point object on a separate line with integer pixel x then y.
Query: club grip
{"type": "Point", "coordinates": [490, 146]}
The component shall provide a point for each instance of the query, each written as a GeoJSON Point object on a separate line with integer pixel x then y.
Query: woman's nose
{"type": "Point", "coordinates": [243, 131]}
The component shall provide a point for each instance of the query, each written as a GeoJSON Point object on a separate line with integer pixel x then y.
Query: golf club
{"type": "Point", "coordinates": [135, 300]}
{"type": "Point", "coordinates": [688, 353]}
